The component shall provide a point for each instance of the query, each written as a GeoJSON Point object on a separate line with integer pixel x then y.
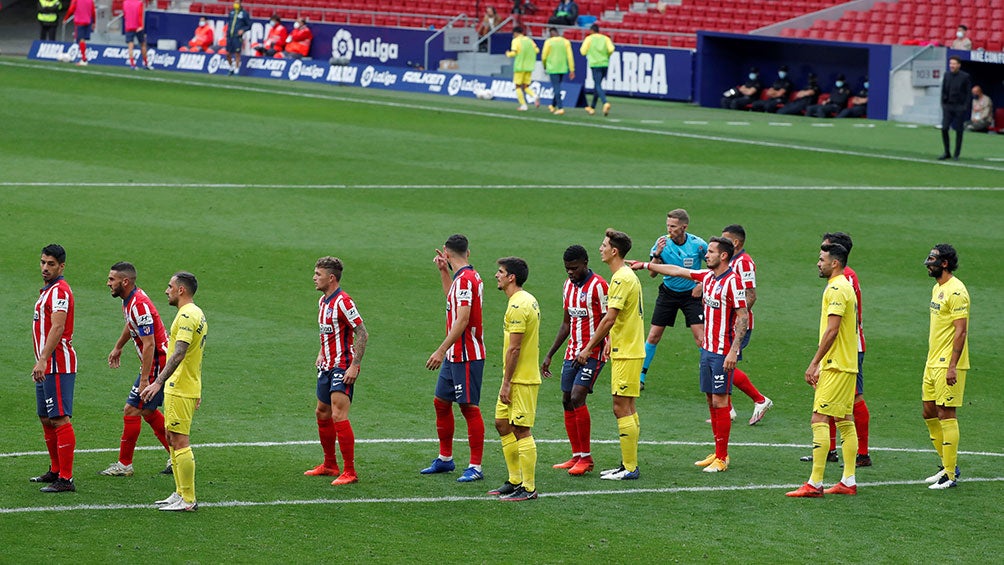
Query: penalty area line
{"type": "Point", "coordinates": [441, 499]}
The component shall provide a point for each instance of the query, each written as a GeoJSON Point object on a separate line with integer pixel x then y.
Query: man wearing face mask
{"type": "Point", "coordinates": [838, 101]}
{"type": "Point", "coordinates": [276, 39]}
{"type": "Point", "coordinates": [803, 98]}
{"type": "Point", "coordinates": [203, 38]}
{"type": "Point", "coordinates": [956, 105]}
{"type": "Point", "coordinates": [777, 94]}
{"type": "Point", "coordinates": [858, 107]}
{"type": "Point", "coordinates": [238, 22]}
{"type": "Point", "coordinates": [739, 97]}
{"type": "Point", "coordinates": [962, 42]}
{"type": "Point", "coordinates": [298, 42]}
{"type": "Point", "coordinates": [981, 118]}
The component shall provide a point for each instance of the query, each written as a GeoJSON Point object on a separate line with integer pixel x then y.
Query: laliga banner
{"type": "Point", "coordinates": [361, 75]}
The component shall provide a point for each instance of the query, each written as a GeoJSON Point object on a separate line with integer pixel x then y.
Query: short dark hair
{"type": "Point", "coordinates": [330, 264]}
{"type": "Point", "coordinates": [457, 243]}
{"type": "Point", "coordinates": [553, 30]}
{"type": "Point", "coordinates": [126, 268]}
{"type": "Point", "coordinates": [275, 17]}
{"type": "Point", "coordinates": [840, 238]}
{"type": "Point", "coordinates": [517, 29]}
{"type": "Point", "coordinates": [963, 27]}
{"type": "Point", "coordinates": [737, 230]}
{"type": "Point", "coordinates": [188, 281]}
{"type": "Point", "coordinates": [620, 241]}
{"type": "Point", "coordinates": [595, 28]}
{"type": "Point", "coordinates": [947, 253]}
{"type": "Point", "coordinates": [515, 266]}
{"type": "Point", "coordinates": [576, 253]}
{"type": "Point", "coordinates": [836, 251]}
{"type": "Point", "coordinates": [724, 245]}
{"type": "Point", "coordinates": [55, 251]}
{"type": "Point", "coordinates": [956, 58]}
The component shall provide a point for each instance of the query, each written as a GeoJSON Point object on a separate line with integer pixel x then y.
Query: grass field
{"type": "Point", "coordinates": [247, 182]}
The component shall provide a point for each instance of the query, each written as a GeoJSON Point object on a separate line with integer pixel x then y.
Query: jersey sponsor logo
{"type": "Point", "coordinates": [144, 320]}
{"type": "Point", "coordinates": [578, 312]}
{"type": "Point", "coordinates": [35, 317]}
{"type": "Point", "coordinates": [60, 305]}
{"type": "Point", "coordinates": [465, 294]}
{"type": "Point", "coordinates": [688, 262]}
{"type": "Point", "coordinates": [741, 294]}
{"type": "Point", "coordinates": [749, 276]}
{"type": "Point", "coordinates": [327, 328]}
{"type": "Point", "coordinates": [934, 306]}
{"type": "Point", "coordinates": [352, 314]}
{"type": "Point", "coordinates": [712, 302]}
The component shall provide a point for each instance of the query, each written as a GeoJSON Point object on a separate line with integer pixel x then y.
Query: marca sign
{"type": "Point", "coordinates": [635, 73]}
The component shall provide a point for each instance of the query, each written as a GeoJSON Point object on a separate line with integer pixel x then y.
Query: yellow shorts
{"type": "Point", "coordinates": [522, 406]}
{"type": "Point", "coordinates": [178, 412]}
{"type": "Point", "coordinates": [835, 393]}
{"type": "Point", "coordinates": [935, 389]}
{"type": "Point", "coordinates": [625, 377]}
{"type": "Point", "coordinates": [521, 77]}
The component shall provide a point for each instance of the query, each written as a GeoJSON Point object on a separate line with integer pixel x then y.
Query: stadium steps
{"type": "Point", "coordinates": [483, 64]}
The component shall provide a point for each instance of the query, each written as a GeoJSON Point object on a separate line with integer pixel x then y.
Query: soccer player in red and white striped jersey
{"type": "Point", "coordinates": [343, 342]}
{"type": "Point", "coordinates": [55, 370]}
{"type": "Point", "coordinates": [585, 304]}
{"type": "Point", "coordinates": [146, 330]}
{"type": "Point", "coordinates": [745, 269]}
{"type": "Point", "coordinates": [460, 359]}
{"type": "Point", "coordinates": [726, 321]}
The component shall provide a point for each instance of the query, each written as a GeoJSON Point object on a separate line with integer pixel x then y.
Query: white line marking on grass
{"type": "Point", "coordinates": [695, 122]}
{"type": "Point", "coordinates": [779, 124]}
{"type": "Point", "coordinates": [486, 186]}
{"type": "Point", "coordinates": [652, 121]}
{"type": "Point", "coordinates": [440, 499]}
{"type": "Point", "coordinates": [822, 125]}
{"type": "Point", "coordinates": [908, 126]}
{"type": "Point", "coordinates": [538, 440]}
{"type": "Point", "coordinates": [738, 123]}
{"type": "Point", "coordinates": [231, 85]}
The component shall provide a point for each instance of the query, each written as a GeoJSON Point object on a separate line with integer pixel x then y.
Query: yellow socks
{"type": "Point", "coordinates": [511, 453]}
{"type": "Point", "coordinates": [184, 473]}
{"type": "Point", "coordinates": [520, 96]}
{"type": "Point", "coordinates": [849, 447]}
{"type": "Point", "coordinates": [629, 431]}
{"type": "Point", "coordinates": [174, 465]}
{"type": "Point", "coordinates": [950, 446]}
{"type": "Point", "coordinates": [820, 445]}
{"type": "Point", "coordinates": [937, 435]}
{"type": "Point", "coordinates": [527, 461]}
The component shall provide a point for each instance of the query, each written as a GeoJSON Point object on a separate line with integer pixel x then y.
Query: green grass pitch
{"type": "Point", "coordinates": [247, 182]}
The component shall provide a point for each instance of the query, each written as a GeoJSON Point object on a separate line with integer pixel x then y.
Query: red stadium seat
{"type": "Point", "coordinates": [195, 7]}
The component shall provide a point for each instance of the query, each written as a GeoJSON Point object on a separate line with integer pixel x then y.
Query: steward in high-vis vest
{"type": "Point", "coordinates": [48, 18]}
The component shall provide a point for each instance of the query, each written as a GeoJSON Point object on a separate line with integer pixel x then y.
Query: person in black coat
{"type": "Point", "coordinates": [956, 104]}
{"type": "Point", "coordinates": [837, 102]}
{"type": "Point", "coordinates": [777, 94]}
{"type": "Point", "coordinates": [739, 97]}
{"type": "Point", "coordinates": [803, 98]}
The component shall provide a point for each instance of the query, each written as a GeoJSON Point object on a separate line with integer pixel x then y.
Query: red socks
{"type": "Point", "coordinates": [347, 444]}
{"type": "Point", "coordinates": [130, 433]}
{"type": "Point", "coordinates": [583, 424]}
{"type": "Point", "coordinates": [66, 443]}
{"type": "Point", "coordinates": [743, 383]}
{"type": "Point", "coordinates": [572, 429]}
{"type": "Point", "coordinates": [475, 431]}
{"type": "Point", "coordinates": [50, 444]}
{"type": "Point", "coordinates": [444, 427]}
{"type": "Point", "coordinates": [861, 417]}
{"type": "Point", "coordinates": [721, 427]}
{"type": "Point", "coordinates": [326, 432]}
{"type": "Point", "coordinates": [156, 421]}
{"type": "Point", "coordinates": [83, 51]}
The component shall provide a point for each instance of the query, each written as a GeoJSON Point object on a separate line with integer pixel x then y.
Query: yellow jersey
{"type": "Point", "coordinates": [190, 327]}
{"type": "Point", "coordinates": [522, 316]}
{"type": "Point", "coordinates": [839, 300]}
{"type": "Point", "coordinates": [627, 336]}
{"type": "Point", "coordinates": [949, 302]}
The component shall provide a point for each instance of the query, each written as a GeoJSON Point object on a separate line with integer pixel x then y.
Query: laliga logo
{"type": "Point", "coordinates": [367, 77]}
{"type": "Point", "coordinates": [214, 64]}
{"type": "Point", "coordinates": [341, 45]}
{"type": "Point", "coordinates": [294, 70]}
{"type": "Point", "coordinates": [456, 81]}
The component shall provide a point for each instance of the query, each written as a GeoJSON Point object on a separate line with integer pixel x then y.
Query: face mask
{"type": "Point", "coordinates": [960, 34]}
{"type": "Point", "coordinates": [296, 25]}
{"type": "Point", "coordinates": [202, 22]}
{"type": "Point", "coordinates": [752, 76]}
{"type": "Point", "coordinates": [840, 84]}
{"type": "Point", "coordinates": [781, 74]}
{"type": "Point", "coordinates": [866, 85]}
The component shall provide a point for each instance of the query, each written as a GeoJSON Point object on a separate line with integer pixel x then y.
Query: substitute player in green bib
{"type": "Point", "coordinates": [182, 376]}
{"type": "Point", "coordinates": [558, 62]}
{"type": "Point", "coordinates": [523, 51]}
{"type": "Point", "coordinates": [597, 49]}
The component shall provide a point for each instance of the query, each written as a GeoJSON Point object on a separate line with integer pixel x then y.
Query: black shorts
{"type": "Point", "coordinates": [670, 301]}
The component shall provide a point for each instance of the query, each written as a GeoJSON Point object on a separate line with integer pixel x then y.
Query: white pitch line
{"type": "Point", "coordinates": [440, 499]}
{"type": "Point", "coordinates": [822, 125]}
{"type": "Point", "coordinates": [45, 184]}
{"type": "Point", "coordinates": [738, 123]}
{"type": "Point", "coordinates": [48, 67]}
{"type": "Point", "coordinates": [538, 440]}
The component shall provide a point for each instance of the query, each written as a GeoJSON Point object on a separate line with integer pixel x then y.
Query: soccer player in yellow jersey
{"type": "Point", "coordinates": [947, 361]}
{"type": "Point", "coordinates": [626, 327]}
{"type": "Point", "coordinates": [833, 373]}
{"type": "Point", "coordinates": [558, 62]}
{"type": "Point", "coordinates": [183, 391]}
{"type": "Point", "coordinates": [517, 402]}
{"type": "Point", "coordinates": [523, 51]}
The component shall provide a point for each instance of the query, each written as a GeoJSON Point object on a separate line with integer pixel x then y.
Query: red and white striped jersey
{"type": "Point", "coordinates": [586, 305]}
{"type": "Point", "coordinates": [853, 278]}
{"type": "Point", "coordinates": [745, 269]}
{"type": "Point", "coordinates": [55, 297]}
{"type": "Point", "coordinates": [722, 297]}
{"type": "Point", "coordinates": [466, 290]}
{"type": "Point", "coordinates": [337, 317]}
{"type": "Point", "coordinates": [142, 318]}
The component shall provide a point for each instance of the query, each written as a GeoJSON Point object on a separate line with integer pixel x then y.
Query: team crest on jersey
{"type": "Point", "coordinates": [582, 295]}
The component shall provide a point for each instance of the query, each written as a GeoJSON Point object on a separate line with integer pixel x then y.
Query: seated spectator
{"type": "Point", "coordinates": [744, 94]}
{"type": "Point", "coordinates": [298, 42]}
{"type": "Point", "coordinates": [777, 94]}
{"type": "Point", "coordinates": [858, 108]}
{"type": "Point", "coordinates": [275, 41]}
{"type": "Point", "coordinates": [837, 102]}
{"type": "Point", "coordinates": [488, 22]}
{"type": "Point", "coordinates": [565, 13]}
{"type": "Point", "coordinates": [961, 41]}
{"type": "Point", "coordinates": [203, 38]}
{"type": "Point", "coordinates": [803, 98]}
{"type": "Point", "coordinates": [982, 117]}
